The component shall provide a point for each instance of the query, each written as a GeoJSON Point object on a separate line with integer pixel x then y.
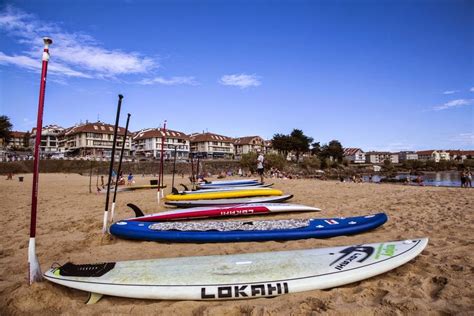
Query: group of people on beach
{"type": "Point", "coordinates": [466, 178]}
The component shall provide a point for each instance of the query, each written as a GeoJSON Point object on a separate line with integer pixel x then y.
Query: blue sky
{"type": "Point", "coordinates": [380, 75]}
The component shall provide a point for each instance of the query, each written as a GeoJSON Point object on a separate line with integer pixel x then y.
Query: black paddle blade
{"type": "Point", "coordinates": [138, 212]}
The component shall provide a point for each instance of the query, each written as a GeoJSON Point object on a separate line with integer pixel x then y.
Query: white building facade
{"type": "Point", "coordinates": [147, 143]}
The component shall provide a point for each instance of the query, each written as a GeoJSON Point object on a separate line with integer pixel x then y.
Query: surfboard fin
{"type": "Point", "coordinates": [185, 187]}
{"type": "Point", "coordinates": [174, 190]}
{"type": "Point", "coordinates": [138, 212]}
{"type": "Point", "coordinates": [93, 298]}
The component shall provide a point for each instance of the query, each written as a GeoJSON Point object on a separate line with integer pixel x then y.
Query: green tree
{"type": "Point", "coordinates": [333, 149]}
{"type": "Point", "coordinates": [282, 143]}
{"type": "Point", "coordinates": [5, 129]}
{"type": "Point", "coordinates": [299, 142]}
{"type": "Point", "coordinates": [316, 148]}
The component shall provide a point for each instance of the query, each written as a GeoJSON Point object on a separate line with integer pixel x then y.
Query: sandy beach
{"type": "Point", "coordinates": [439, 281]}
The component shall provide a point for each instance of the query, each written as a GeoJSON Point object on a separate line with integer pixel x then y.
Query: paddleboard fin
{"type": "Point", "coordinates": [86, 270]}
{"type": "Point", "coordinates": [93, 298]}
{"type": "Point", "coordinates": [185, 187]}
{"type": "Point", "coordinates": [138, 212]}
{"type": "Point", "coordinates": [174, 191]}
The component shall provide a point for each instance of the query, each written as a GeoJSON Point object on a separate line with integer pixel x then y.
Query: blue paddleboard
{"type": "Point", "coordinates": [232, 231]}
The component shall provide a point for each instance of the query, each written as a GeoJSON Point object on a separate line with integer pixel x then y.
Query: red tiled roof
{"type": "Point", "coordinates": [210, 137]}
{"type": "Point", "coordinates": [159, 132]}
{"type": "Point", "coordinates": [460, 152]}
{"type": "Point", "coordinates": [97, 127]}
{"type": "Point", "coordinates": [15, 134]}
{"type": "Point", "coordinates": [425, 152]}
{"type": "Point", "coordinates": [351, 151]}
{"type": "Point", "coordinates": [247, 140]}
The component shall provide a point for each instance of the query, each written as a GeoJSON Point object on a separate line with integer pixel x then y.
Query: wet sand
{"type": "Point", "coordinates": [438, 281]}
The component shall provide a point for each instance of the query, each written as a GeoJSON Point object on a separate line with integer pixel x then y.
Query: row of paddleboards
{"type": "Point", "coordinates": [239, 276]}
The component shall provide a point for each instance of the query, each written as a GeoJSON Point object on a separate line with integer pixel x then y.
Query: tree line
{"type": "Point", "coordinates": [298, 143]}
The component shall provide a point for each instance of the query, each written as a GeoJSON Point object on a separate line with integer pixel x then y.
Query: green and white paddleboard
{"type": "Point", "coordinates": [239, 276]}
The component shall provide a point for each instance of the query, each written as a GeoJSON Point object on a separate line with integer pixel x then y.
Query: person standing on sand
{"type": "Point", "coordinates": [468, 178]}
{"type": "Point", "coordinates": [130, 179]}
{"type": "Point", "coordinates": [463, 179]}
{"type": "Point", "coordinates": [260, 160]}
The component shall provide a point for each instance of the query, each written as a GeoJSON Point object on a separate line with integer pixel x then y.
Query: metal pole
{"type": "Point", "coordinates": [33, 263]}
{"type": "Point", "coordinates": [161, 180]}
{"type": "Point", "coordinates": [111, 167]}
{"type": "Point", "coordinates": [119, 168]}
{"type": "Point", "coordinates": [174, 167]}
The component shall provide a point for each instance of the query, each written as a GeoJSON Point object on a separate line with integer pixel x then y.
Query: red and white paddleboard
{"type": "Point", "coordinates": [223, 211]}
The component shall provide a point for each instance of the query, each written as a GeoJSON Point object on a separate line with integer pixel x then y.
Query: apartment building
{"type": "Point", "coordinates": [209, 145]}
{"type": "Point", "coordinates": [18, 140]}
{"type": "Point", "coordinates": [92, 140]}
{"type": "Point", "coordinates": [407, 155]}
{"type": "Point", "coordinates": [147, 143]}
{"type": "Point", "coordinates": [49, 139]}
{"type": "Point", "coordinates": [248, 144]}
{"type": "Point", "coordinates": [435, 155]}
{"type": "Point", "coordinates": [378, 157]}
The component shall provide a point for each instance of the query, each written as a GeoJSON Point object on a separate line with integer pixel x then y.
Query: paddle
{"type": "Point", "coordinates": [33, 263]}
{"type": "Point", "coordinates": [119, 168]}
{"type": "Point", "coordinates": [111, 167]}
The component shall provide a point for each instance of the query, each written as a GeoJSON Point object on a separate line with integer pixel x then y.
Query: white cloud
{"type": "Point", "coordinates": [472, 89]}
{"type": "Point", "coordinates": [169, 82]}
{"type": "Point", "coordinates": [464, 138]}
{"type": "Point", "coordinates": [450, 91]}
{"type": "Point", "coordinates": [72, 54]}
{"type": "Point", "coordinates": [454, 104]}
{"type": "Point", "coordinates": [240, 80]}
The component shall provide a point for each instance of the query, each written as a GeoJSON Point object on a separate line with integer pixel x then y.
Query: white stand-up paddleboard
{"type": "Point", "coordinates": [239, 276]}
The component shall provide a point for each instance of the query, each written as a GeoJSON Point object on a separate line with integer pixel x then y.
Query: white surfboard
{"type": "Point", "coordinates": [239, 276]}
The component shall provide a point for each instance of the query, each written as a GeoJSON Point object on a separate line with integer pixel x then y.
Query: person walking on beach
{"type": "Point", "coordinates": [130, 179]}
{"type": "Point", "coordinates": [260, 161]}
{"type": "Point", "coordinates": [468, 178]}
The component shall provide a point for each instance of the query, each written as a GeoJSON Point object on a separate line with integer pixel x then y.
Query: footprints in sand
{"type": "Point", "coordinates": [438, 284]}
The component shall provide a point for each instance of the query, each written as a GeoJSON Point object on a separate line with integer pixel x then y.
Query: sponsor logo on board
{"type": "Point", "coordinates": [237, 212]}
{"type": "Point", "coordinates": [349, 254]}
{"type": "Point", "coordinates": [331, 221]}
{"type": "Point", "coordinates": [244, 290]}
{"type": "Point", "coordinates": [385, 250]}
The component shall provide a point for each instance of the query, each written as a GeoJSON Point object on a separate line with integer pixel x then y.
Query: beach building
{"type": "Point", "coordinates": [378, 157]}
{"type": "Point", "coordinates": [268, 148]}
{"type": "Point", "coordinates": [435, 155]}
{"type": "Point", "coordinates": [18, 140]}
{"type": "Point", "coordinates": [354, 155]}
{"type": "Point", "coordinates": [407, 155]}
{"type": "Point", "coordinates": [92, 140]}
{"type": "Point", "coordinates": [49, 139]}
{"type": "Point", "coordinates": [212, 146]}
{"type": "Point", "coordinates": [147, 143]}
{"type": "Point", "coordinates": [248, 144]}
{"type": "Point", "coordinates": [460, 155]}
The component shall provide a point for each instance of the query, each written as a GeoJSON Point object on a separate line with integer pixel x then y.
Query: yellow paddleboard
{"type": "Point", "coordinates": [222, 195]}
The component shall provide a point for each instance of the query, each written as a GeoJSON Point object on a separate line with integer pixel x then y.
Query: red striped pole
{"type": "Point", "coordinates": [33, 263]}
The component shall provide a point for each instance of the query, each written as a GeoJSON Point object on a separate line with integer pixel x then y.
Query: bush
{"type": "Point", "coordinates": [312, 162]}
{"type": "Point", "coordinates": [249, 161]}
{"type": "Point", "coordinates": [274, 161]}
